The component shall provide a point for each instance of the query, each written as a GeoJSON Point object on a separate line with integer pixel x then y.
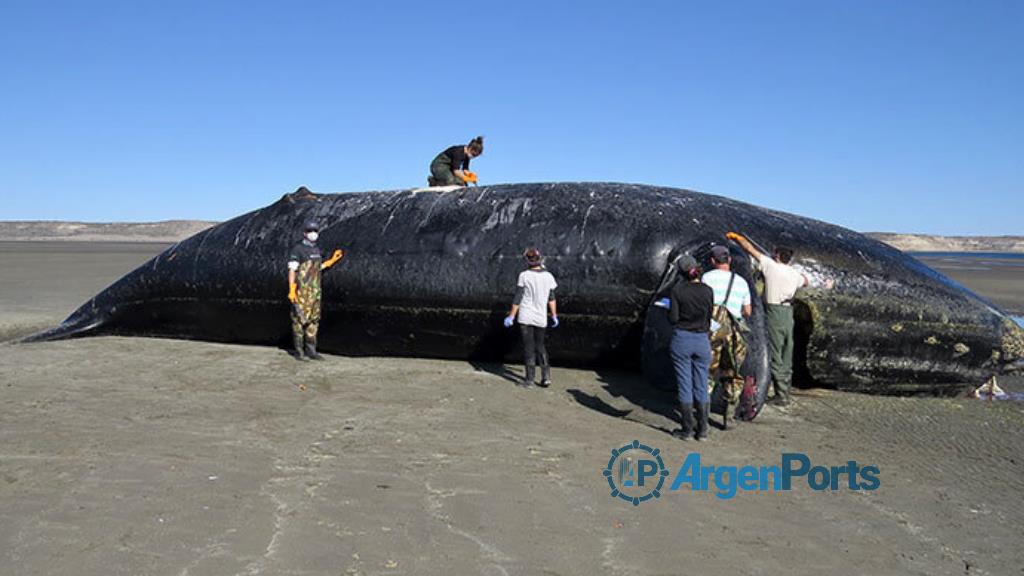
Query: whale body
{"type": "Point", "coordinates": [432, 272]}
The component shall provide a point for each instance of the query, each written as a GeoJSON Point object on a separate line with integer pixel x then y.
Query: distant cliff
{"type": "Point", "coordinates": [927, 243]}
{"type": "Point", "coordinates": [167, 231]}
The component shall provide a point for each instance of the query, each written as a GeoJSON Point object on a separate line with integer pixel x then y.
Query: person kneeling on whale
{"type": "Point", "coordinates": [690, 304]}
{"type": "Point", "coordinates": [535, 294]}
{"type": "Point", "coordinates": [451, 167]}
{"type": "Point", "coordinates": [304, 266]}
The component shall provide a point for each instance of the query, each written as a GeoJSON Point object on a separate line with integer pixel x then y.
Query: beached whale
{"type": "Point", "coordinates": [431, 273]}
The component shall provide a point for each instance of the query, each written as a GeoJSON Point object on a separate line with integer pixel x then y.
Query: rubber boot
{"type": "Point", "coordinates": [729, 418]}
{"type": "Point", "coordinates": [781, 394]}
{"type": "Point", "coordinates": [311, 352]}
{"type": "Point", "coordinates": [545, 376]}
{"type": "Point", "coordinates": [702, 419]}
{"type": "Point", "coordinates": [685, 432]}
{"type": "Point", "coordinates": [531, 371]}
{"type": "Point", "coordinates": [296, 351]}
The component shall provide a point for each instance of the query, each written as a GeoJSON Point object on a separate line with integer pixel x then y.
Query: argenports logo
{"type": "Point", "coordinates": [636, 473]}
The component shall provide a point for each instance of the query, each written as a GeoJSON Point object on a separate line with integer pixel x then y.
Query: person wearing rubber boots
{"type": "Point", "coordinates": [690, 304]}
{"type": "Point", "coordinates": [728, 346]}
{"type": "Point", "coordinates": [781, 281]}
{"type": "Point", "coordinates": [304, 266]}
{"type": "Point", "coordinates": [535, 297]}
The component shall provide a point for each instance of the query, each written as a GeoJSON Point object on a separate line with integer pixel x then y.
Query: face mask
{"type": "Point", "coordinates": [312, 236]}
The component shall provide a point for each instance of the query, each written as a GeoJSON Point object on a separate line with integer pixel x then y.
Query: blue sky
{"type": "Point", "coordinates": [876, 115]}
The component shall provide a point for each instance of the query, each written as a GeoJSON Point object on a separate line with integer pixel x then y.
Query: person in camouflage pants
{"type": "Point", "coordinates": [304, 266]}
{"type": "Point", "coordinates": [728, 351]}
{"type": "Point", "coordinates": [728, 344]}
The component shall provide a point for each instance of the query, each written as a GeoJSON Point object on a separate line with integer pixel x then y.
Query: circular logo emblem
{"type": "Point", "coordinates": [636, 472]}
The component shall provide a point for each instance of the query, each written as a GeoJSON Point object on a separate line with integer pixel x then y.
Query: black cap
{"type": "Point", "coordinates": [685, 263]}
{"type": "Point", "coordinates": [720, 254]}
{"type": "Point", "coordinates": [312, 226]}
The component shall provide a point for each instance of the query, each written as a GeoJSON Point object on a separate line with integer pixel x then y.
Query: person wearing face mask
{"type": "Point", "coordinates": [451, 167]}
{"type": "Point", "coordinates": [304, 266]}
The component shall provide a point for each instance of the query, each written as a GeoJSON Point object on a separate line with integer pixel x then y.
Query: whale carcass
{"type": "Point", "coordinates": [431, 273]}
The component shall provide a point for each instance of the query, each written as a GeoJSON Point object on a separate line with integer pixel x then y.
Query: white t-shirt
{"type": "Point", "coordinates": [738, 297]}
{"type": "Point", "coordinates": [781, 281]}
{"type": "Point", "coordinates": [537, 286]}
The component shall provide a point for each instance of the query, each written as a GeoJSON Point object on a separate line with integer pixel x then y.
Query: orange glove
{"type": "Point", "coordinates": [338, 255]}
{"type": "Point", "coordinates": [469, 176]}
{"type": "Point", "coordinates": [292, 295]}
{"type": "Point", "coordinates": [734, 236]}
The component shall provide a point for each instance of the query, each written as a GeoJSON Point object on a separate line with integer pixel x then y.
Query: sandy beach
{"type": "Point", "coordinates": [166, 457]}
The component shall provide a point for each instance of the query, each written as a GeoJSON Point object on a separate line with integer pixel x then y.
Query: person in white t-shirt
{"type": "Point", "coordinates": [719, 277]}
{"type": "Point", "coordinates": [535, 296]}
{"type": "Point", "coordinates": [781, 281]}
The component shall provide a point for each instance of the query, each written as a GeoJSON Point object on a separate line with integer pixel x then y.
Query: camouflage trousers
{"type": "Point", "coordinates": [441, 175]}
{"type": "Point", "coordinates": [305, 320]}
{"type": "Point", "coordinates": [728, 351]}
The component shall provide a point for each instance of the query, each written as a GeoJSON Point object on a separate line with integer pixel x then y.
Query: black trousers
{"type": "Point", "coordinates": [534, 351]}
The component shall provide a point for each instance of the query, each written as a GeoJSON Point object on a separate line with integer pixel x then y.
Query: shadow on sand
{"type": "Point", "coordinates": [496, 369]}
{"type": "Point", "coordinates": [633, 388]}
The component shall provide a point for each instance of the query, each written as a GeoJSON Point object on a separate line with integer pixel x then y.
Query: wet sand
{"type": "Point", "coordinates": [1000, 278]}
{"type": "Point", "coordinates": [149, 456]}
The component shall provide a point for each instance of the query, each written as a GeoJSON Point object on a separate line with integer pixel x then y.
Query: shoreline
{"type": "Point", "coordinates": [176, 230]}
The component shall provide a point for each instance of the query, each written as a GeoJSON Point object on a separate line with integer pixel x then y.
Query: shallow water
{"type": "Point", "coordinates": [956, 255]}
{"type": "Point", "coordinates": [971, 261]}
{"type": "Point", "coordinates": [1012, 396]}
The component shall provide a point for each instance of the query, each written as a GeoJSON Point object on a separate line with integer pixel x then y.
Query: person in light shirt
{"type": "Point", "coordinates": [535, 297]}
{"type": "Point", "coordinates": [728, 347]}
{"type": "Point", "coordinates": [781, 281]}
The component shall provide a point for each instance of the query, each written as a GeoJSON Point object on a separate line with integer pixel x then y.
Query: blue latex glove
{"type": "Point", "coordinates": [508, 321]}
{"type": "Point", "coordinates": [663, 303]}
{"type": "Point", "coordinates": [554, 321]}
